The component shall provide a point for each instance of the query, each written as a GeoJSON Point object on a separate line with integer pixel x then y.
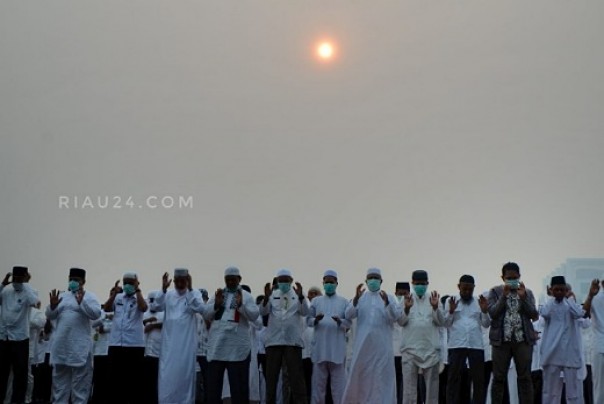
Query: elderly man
{"type": "Point", "coordinates": [286, 307]}
{"type": "Point", "coordinates": [71, 350]}
{"type": "Point", "coordinates": [327, 317]}
{"type": "Point", "coordinates": [401, 290]}
{"type": "Point", "coordinates": [230, 312]}
{"type": "Point", "coordinates": [16, 300]}
{"type": "Point", "coordinates": [127, 338]}
{"type": "Point", "coordinates": [179, 338]}
{"type": "Point", "coordinates": [420, 349]}
{"type": "Point", "coordinates": [372, 378]}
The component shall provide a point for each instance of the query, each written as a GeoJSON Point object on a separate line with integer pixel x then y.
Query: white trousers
{"type": "Point", "coordinates": [320, 373]}
{"type": "Point", "coordinates": [410, 371]}
{"type": "Point", "coordinates": [597, 376]}
{"type": "Point", "coordinates": [74, 381]}
{"type": "Point", "coordinates": [552, 385]}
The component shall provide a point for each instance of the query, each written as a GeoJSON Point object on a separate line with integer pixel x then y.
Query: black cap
{"type": "Point", "coordinates": [77, 273]}
{"type": "Point", "coordinates": [558, 280]}
{"type": "Point", "coordinates": [466, 279]}
{"type": "Point", "coordinates": [403, 286]}
{"type": "Point", "coordinates": [19, 271]}
{"type": "Point", "coordinates": [419, 275]}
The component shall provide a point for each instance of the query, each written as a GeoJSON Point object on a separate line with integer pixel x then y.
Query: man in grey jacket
{"type": "Point", "coordinates": [512, 307]}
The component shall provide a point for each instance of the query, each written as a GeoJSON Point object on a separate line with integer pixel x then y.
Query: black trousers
{"type": "Point", "coordinates": [42, 381]}
{"type": "Point", "coordinates": [398, 370]}
{"type": "Point", "coordinates": [14, 355]}
{"type": "Point", "coordinates": [126, 366]}
{"type": "Point", "coordinates": [101, 382]}
{"type": "Point", "coordinates": [151, 373]}
{"type": "Point", "coordinates": [457, 362]}
{"type": "Point", "coordinates": [307, 363]}
{"type": "Point", "coordinates": [239, 380]}
{"type": "Point", "coordinates": [291, 357]}
{"type": "Point", "coordinates": [522, 354]}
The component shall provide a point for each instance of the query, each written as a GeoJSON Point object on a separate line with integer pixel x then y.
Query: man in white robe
{"type": "Point", "coordinates": [372, 379]}
{"type": "Point", "coordinates": [71, 351]}
{"type": "Point", "coordinates": [561, 345]}
{"type": "Point", "coordinates": [594, 305]}
{"type": "Point", "coordinates": [328, 349]}
{"type": "Point", "coordinates": [421, 349]}
{"type": "Point", "coordinates": [179, 338]}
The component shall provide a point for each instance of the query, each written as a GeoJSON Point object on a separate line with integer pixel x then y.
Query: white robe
{"type": "Point", "coordinates": [372, 377]}
{"type": "Point", "coordinates": [177, 356]}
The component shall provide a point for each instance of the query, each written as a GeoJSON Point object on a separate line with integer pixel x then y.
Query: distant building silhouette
{"type": "Point", "coordinates": [579, 272]}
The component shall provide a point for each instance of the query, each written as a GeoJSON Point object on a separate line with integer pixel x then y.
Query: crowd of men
{"type": "Point", "coordinates": [179, 345]}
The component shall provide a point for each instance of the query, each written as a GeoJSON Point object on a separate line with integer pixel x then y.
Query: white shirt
{"type": "Point", "coordinates": [597, 322]}
{"type": "Point", "coordinates": [71, 340]}
{"type": "Point", "coordinates": [153, 337]}
{"type": "Point", "coordinates": [37, 320]}
{"type": "Point", "coordinates": [465, 324]}
{"type": "Point", "coordinates": [286, 314]}
{"type": "Point", "coordinates": [329, 339]}
{"type": "Point", "coordinates": [229, 337]}
{"type": "Point", "coordinates": [127, 329]}
{"type": "Point", "coordinates": [14, 317]}
{"type": "Point", "coordinates": [421, 336]}
{"type": "Point", "coordinates": [101, 340]}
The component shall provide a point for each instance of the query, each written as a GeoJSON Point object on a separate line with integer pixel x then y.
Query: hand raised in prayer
{"type": "Point", "coordinates": [54, 299]}
{"type": "Point", "coordinates": [318, 318]}
{"type": "Point", "coordinates": [595, 287]}
{"type": "Point", "coordinates": [434, 299]}
{"type": "Point", "coordinates": [6, 280]}
{"type": "Point", "coordinates": [298, 290]}
{"type": "Point", "coordinates": [239, 298]}
{"type": "Point", "coordinates": [218, 299]}
{"type": "Point", "coordinates": [384, 297]}
{"type": "Point", "coordinates": [507, 289]}
{"type": "Point", "coordinates": [483, 302]}
{"type": "Point", "coordinates": [189, 282]}
{"type": "Point", "coordinates": [165, 282]}
{"type": "Point", "coordinates": [116, 288]}
{"type": "Point", "coordinates": [452, 305]}
{"type": "Point", "coordinates": [408, 303]}
{"type": "Point", "coordinates": [268, 290]}
{"type": "Point", "coordinates": [79, 295]}
{"type": "Point", "coordinates": [358, 294]}
{"type": "Point", "coordinates": [522, 291]}
{"type": "Point", "coordinates": [337, 319]}
{"type": "Point", "coordinates": [570, 294]}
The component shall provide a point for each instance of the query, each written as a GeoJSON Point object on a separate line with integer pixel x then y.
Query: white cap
{"type": "Point", "coordinates": [330, 272]}
{"type": "Point", "coordinates": [181, 272]}
{"type": "Point", "coordinates": [130, 275]}
{"type": "Point", "coordinates": [284, 272]}
{"type": "Point", "coordinates": [374, 271]}
{"type": "Point", "coordinates": [152, 294]}
{"type": "Point", "coordinates": [232, 271]}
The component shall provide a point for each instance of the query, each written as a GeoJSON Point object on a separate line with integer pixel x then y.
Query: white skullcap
{"type": "Point", "coordinates": [284, 272]}
{"type": "Point", "coordinates": [130, 275]}
{"type": "Point", "coordinates": [330, 272]}
{"type": "Point", "coordinates": [232, 271]}
{"type": "Point", "coordinates": [374, 271]}
{"type": "Point", "coordinates": [315, 289]}
{"type": "Point", "coordinates": [181, 272]}
{"type": "Point", "coordinates": [152, 294]}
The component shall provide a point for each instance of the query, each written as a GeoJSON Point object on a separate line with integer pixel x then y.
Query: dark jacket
{"type": "Point", "coordinates": [497, 308]}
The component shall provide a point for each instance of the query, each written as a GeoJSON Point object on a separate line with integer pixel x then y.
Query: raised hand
{"type": "Point", "coordinates": [522, 291]}
{"type": "Point", "coordinates": [54, 299]}
{"type": "Point", "coordinates": [116, 288]}
{"type": "Point", "coordinates": [434, 299]}
{"type": "Point", "coordinates": [452, 305]}
{"type": "Point", "coordinates": [298, 289]}
{"type": "Point", "coordinates": [268, 290]}
{"type": "Point", "coordinates": [358, 294]}
{"type": "Point", "coordinates": [483, 302]}
{"type": "Point", "coordinates": [595, 287]}
{"type": "Point", "coordinates": [218, 299]}
{"type": "Point", "coordinates": [165, 282]}
{"type": "Point", "coordinates": [6, 280]}
{"type": "Point", "coordinates": [408, 303]}
{"type": "Point", "coordinates": [79, 295]}
{"type": "Point", "coordinates": [239, 298]}
{"type": "Point", "coordinates": [384, 297]}
{"type": "Point", "coordinates": [507, 289]}
{"type": "Point", "coordinates": [189, 282]}
{"type": "Point", "coordinates": [337, 319]}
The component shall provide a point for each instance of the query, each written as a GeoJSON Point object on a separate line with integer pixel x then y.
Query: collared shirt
{"type": "Point", "coordinates": [153, 337]}
{"type": "Point", "coordinates": [512, 322]}
{"type": "Point", "coordinates": [286, 318]}
{"type": "Point", "coordinates": [72, 339]}
{"type": "Point", "coordinates": [329, 338]}
{"type": "Point", "coordinates": [421, 335]}
{"type": "Point", "coordinates": [229, 336]}
{"type": "Point", "coordinates": [101, 341]}
{"type": "Point", "coordinates": [128, 329]}
{"type": "Point", "coordinates": [597, 322]}
{"type": "Point", "coordinates": [14, 316]}
{"type": "Point", "coordinates": [465, 324]}
{"type": "Point", "coordinates": [561, 338]}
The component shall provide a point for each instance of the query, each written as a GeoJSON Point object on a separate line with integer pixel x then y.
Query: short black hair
{"type": "Point", "coordinates": [510, 266]}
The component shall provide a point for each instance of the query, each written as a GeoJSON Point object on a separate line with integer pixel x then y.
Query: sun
{"type": "Point", "coordinates": [325, 51]}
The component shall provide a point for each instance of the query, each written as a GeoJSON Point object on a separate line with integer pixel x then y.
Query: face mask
{"type": "Point", "coordinates": [284, 287]}
{"type": "Point", "coordinates": [73, 286]}
{"type": "Point", "coordinates": [330, 288]}
{"type": "Point", "coordinates": [420, 290]}
{"type": "Point", "coordinates": [513, 283]}
{"type": "Point", "coordinates": [399, 298]}
{"type": "Point", "coordinates": [373, 285]}
{"type": "Point", "coordinates": [233, 290]}
{"type": "Point", "coordinates": [129, 289]}
{"type": "Point", "coordinates": [18, 287]}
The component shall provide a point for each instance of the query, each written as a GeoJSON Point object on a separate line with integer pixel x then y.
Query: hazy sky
{"type": "Point", "coordinates": [451, 136]}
